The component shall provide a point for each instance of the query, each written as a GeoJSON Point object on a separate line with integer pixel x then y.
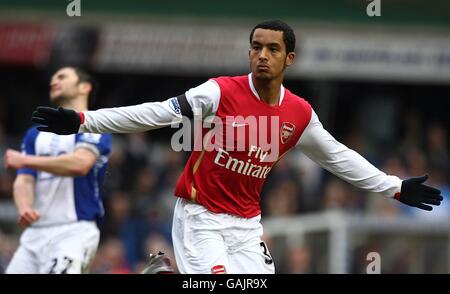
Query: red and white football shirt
{"type": "Point", "coordinates": [227, 179]}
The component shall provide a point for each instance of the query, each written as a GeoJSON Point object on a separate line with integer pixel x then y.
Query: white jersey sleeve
{"type": "Point", "coordinates": [152, 115]}
{"type": "Point", "coordinates": [204, 98]}
{"type": "Point", "coordinates": [320, 146]}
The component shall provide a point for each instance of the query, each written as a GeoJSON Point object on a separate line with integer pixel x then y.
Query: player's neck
{"type": "Point", "coordinates": [268, 91]}
{"type": "Point", "coordinates": [78, 104]}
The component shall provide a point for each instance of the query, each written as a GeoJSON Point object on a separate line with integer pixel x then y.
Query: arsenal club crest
{"type": "Point", "coordinates": [287, 129]}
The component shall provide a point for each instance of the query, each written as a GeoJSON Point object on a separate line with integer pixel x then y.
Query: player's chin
{"type": "Point", "coordinates": [263, 75]}
{"type": "Point", "coordinates": [54, 96]}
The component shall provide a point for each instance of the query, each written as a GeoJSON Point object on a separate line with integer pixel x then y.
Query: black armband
{"type": "Point", "coordinates": [186, 109]}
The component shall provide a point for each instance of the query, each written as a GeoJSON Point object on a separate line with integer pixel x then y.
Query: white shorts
{"type": "Point", "coordinates": [60, 249]}
{"type": "Point", "coordinates": [206, 242]}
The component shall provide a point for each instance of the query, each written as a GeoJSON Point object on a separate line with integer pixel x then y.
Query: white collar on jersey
{"type": "Point", "coordinates": [250, 82]}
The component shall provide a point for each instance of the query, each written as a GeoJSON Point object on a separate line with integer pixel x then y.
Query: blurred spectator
{"type": "Point", "coordinates": [166, 200]}
{"type": "Point", "coordinates": [335, 195]}
{"type": "Point", "coordinates": [110, 258]}
{"type": "Point", "coordinates": [438, 148]}
{"type": "Point", "coordinates": [6, 178]}
{"type": "Point", "coordinates": [118, 207]}
{"type": "Point", "coordinates": [144, 190]}
{"type": "Point", "coordinates": [379, 206]}
{"type": "Point", "coordinates": [340, 195]}
{"type": "Point", "coordinates": [283, 199]}
{"type": "Point", "coordinates": [122, 225]}
{"type": "Point", "coordinates": [114, 177]}
{"type": "Point", "coordinates": [394, 165]}
{"type": "Point", "coordinates": [136, 156]}
{"type": "Point", "coordinates": [309, 175]}
{"type": "Point", "coordinates": [413, 129]}
{"type": "Point", "coordinates": [8, 246]}
{"type": "Point", "coordinates": [398, 257]}
{"type": "Point", "coordinates": [3, 147]}
{"type": "Point", "coordinates": [298, 259]}
{"type": "Point", "coordinates": [6, 186]}
{"type": "Point", "coordinates": [358, 140]}
{"type": "Point", "coordinates": [416, 161]}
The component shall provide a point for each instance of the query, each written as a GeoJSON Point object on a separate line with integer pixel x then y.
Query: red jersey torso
{"type": "Point", "coordinates": [227, 176]}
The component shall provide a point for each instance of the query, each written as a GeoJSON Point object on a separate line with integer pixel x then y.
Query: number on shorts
{"type": "Point", "coordinates": [68, 263]}
{"type": "Point", "coordinates": [52, 269]}
{"type": "Point", "coordinates": [266, 253]}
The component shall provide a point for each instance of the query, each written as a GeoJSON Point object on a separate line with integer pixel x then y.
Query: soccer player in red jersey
{"type": "Point", "coordinates": [249, 123]}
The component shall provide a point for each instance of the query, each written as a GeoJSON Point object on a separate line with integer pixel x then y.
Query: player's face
{"type": "Point", "coordinates": [64, 85]}
{"type": "Point", "coordinates": [268, 57]}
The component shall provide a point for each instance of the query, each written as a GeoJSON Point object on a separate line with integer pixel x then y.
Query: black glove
{"type": "Point", "coordinates": [415, 193]}
{"type": "Point", "coordinates": [60, 121]}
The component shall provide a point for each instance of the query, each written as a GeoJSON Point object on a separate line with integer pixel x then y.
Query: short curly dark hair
{"type": "Point", "coordinates": [278, 25]}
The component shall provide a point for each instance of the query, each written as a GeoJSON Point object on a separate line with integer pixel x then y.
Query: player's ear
{"type": "Point", "coordinates": [290, 58]}
{"type": "Point", "coordinates": [85, 88]}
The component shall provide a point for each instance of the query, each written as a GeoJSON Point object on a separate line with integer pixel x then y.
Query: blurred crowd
{"type": "Point", "coordinates": [143, 170]}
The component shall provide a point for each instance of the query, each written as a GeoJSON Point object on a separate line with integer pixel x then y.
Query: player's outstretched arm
{"type": "Point", "coordinates": [321, 147]}
{"type": "Point", "coordinates": [129, 119]}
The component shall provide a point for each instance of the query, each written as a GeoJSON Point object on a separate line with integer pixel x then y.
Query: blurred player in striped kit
{"type": "Point", "coordinates": [57, 188]}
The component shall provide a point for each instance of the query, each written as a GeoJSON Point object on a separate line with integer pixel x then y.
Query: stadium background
{"type": "Point", "coordinates": [380, 85]}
